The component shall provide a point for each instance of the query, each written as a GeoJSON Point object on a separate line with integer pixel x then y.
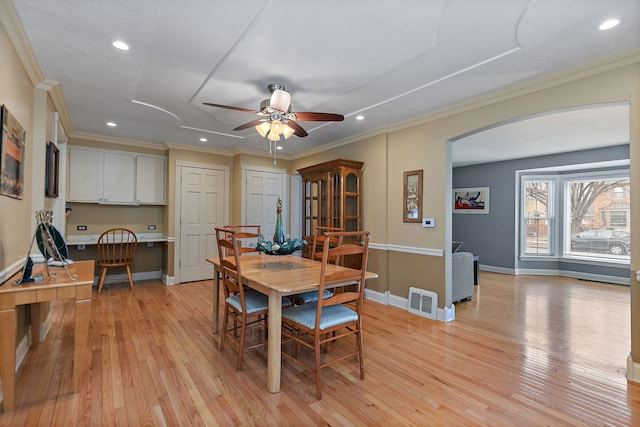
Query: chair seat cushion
{"type": "Point", "coordinates": [254, 301]}
{"type": "Point", "coordinates": [311, 296]}
{"type": "Point", "coordinates": [331, 316]}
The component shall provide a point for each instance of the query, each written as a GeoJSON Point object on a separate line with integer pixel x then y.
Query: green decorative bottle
{"type": "Point", "coordinates": [278, 236]}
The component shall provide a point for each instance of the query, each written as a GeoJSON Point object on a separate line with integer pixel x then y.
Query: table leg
{"type": "Point", "coordinates": [274, 345]}
{"type": "Point", "coordinates": [35, 323]}
{"type": "Point", "coordinates": [8, 320]}
{"type": "Point", "coordinates": [80, 341]}
{"type": "Point", "coordinates": [216, 299]}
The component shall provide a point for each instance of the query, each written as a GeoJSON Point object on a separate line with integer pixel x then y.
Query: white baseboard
{"type": "Point", "coordinates": [447, 314]}
{"type": "Point", "coordinates": [386, 298]}
{"type": "Point", "coordinates": [168, 280]}
{"type": "Point", "coordinates": [119, 278]}
{"type": "Point", "coordinates": [633, 370]}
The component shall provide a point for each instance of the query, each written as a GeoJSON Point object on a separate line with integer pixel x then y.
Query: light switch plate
{"type": "Point", "coordinates": [428, 222]}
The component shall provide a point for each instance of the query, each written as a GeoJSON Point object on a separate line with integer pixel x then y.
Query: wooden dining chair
{"type": "Point", "coordinates": [247, 308]}
{"type": "Point", "coordinates": [330, 319]}
{"type": "Point", "coordinates": [318, 241]}
{"type": "Point", "coordinates": [116, 248]}
{"type": "Point", "coordinates": [316, 255]}
{"type": "Point", "coordinates": [244, 234]}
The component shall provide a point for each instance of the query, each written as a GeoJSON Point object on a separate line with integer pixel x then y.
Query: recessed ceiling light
{"type": "Point", "coordinates": [609, 24]}
{"type": "Point", "coordinates": [112, 124]}
{"type": "Point", "coordinates": [119, 44]}
{"type": "Point", "coordinates": [360, 117]}
{"type": "Point", "coordinates": [203, 139]}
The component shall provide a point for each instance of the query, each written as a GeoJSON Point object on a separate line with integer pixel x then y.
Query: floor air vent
{"type": "Point", "coordinates": [423, 302]}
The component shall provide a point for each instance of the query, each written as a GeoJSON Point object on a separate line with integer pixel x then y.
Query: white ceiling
{"type": "Point", "coordinates": [389, 61]}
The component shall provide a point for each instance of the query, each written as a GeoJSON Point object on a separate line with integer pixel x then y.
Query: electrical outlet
{"type": "Point", "coordinates": [428, 222]}
{"type": "Point", "coordinates": [81, 228]}
{"type": "Point", "coordinates": [149, 244]}
{"type": "Point", "coordinates": [151, 227]}
{"type": "Point", "coordinates": [81, 247]}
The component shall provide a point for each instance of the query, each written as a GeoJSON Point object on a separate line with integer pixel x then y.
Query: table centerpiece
{"type": "Point", "coordinates": [280, 245]}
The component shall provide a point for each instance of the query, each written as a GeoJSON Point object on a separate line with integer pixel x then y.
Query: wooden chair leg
{"type": "Point", "coordinates": [103, 274]}
{"type": "Point", "coordinates": [130, 278]}
{"type": "Point", "coordinates": [243, 328]}
{"type": "Point", "coordinates": [223, 332]}
{"type": "Point", "coordinates": [318, 378]}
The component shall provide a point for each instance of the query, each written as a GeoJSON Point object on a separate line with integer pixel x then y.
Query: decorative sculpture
{"type": "Point", "coordinates": [51, 245]}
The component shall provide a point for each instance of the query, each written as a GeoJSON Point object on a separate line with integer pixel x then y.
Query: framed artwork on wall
{"type": "Point", "coordinates": [471, 200]}
{"type": "Point", "coordinates": [12, 145]}
{"type": "Point", "coordinates": [412, 196]}
{"type": "Point", "coordinates": [51, 178]}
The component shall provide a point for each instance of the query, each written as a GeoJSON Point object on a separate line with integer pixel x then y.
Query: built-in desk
{"type": "Point", "coordinates": [56, 286]}
{"type": "Point", "coordinates": [92, 239]}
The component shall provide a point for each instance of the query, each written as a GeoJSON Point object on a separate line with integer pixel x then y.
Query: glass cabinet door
{"type": "Point", "coordinates": [351, 203]}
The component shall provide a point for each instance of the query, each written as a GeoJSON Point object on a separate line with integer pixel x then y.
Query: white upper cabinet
{"type": "Point", "coordinates": [118, 186]}
{"type": "Point", "coordinates": [115, 177]}
{"type": "Point", "coordinates": [150, 179]}
{"type": "Point", "coordinates": [85, 175]}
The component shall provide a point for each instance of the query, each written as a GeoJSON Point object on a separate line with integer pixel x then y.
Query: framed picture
{"type": "Point", "coordinates": [412, 196]}
{"type": "Point", "coordinates": [12, 145]}
{"type": "Point", "coordinates": [471, 200]}
{"type": "Point", "coordinates": [52, 170]}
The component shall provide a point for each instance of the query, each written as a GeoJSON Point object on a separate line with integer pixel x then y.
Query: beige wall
{"type": "Point", "coordinates": [25, 94]}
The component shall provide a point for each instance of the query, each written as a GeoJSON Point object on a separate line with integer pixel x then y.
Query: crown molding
{"type": "Point", "coordinates": [13, 26]}
{"type": "Point", "coordinates": [120, 141]}
{"type": "Point", "coordinates": [242, 150]}
{"type": "Point", "coordinates": [20, 42]}
{"type": "Point", "coordinates": [207, 150]}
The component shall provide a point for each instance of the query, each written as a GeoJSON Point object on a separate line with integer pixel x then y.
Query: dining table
{"type": "Point", "coordinates": [278, 276]}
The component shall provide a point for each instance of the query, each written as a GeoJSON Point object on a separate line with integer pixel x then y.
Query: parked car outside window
{"type": "Point", "coordinates": [613, 241]}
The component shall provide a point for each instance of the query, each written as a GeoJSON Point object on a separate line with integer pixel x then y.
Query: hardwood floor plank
{"type": "Point", "coordinates": [524, 351]}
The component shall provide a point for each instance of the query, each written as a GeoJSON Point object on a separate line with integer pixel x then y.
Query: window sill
{"type": "Point", "coordinates": [606, 262]}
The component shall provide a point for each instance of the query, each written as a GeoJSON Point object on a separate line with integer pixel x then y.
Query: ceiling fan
{"type": "Point", "coordinates": [276, 117]}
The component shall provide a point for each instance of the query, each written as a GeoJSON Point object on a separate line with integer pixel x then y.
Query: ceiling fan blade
{"type": "Point", "coordinates": [250, 124]}
{"type": "Point", "coordinates": [319, 117]}
{"type": "Point", "coordinates": [244, 110]}
{"type": "Point", "coordinates": [298, 131]}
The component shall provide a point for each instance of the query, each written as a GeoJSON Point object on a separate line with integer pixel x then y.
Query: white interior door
{"type": "Point", "coordinates": [202, 210]}
{"type": "Point", "coordinates": [262, 191]}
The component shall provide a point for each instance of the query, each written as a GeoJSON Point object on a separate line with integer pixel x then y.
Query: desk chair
{"type": "Point", "coordinates": [116, 248]}
{"type": "Point", "coordinates": [330, 319]}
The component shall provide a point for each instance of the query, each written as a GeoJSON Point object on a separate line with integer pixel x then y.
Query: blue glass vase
{"type": "Point", "coordinates": [278, 236]}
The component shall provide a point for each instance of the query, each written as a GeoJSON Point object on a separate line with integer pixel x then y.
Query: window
{"type": "Point", "coordinates": [537, 197]}
{"type": "Point", "coordinates": [590, 218]}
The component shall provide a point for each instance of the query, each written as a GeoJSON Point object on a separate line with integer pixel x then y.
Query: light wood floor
{"type": "Point", "coordinates": [525, 351]}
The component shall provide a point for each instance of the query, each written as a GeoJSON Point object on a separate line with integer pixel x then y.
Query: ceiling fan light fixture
{"type": "Point", "coordinates": [287, 131]}
{"type": "Point", "coordinates": [280, 100]}
{"type": "Point", "coordinates": [277, 127]}
{"type": "Point", "coordinates": [263, 128]}
{"type": "Point", "coordinates": [273, 136]}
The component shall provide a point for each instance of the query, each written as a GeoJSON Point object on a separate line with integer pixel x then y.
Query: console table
{"type": "Point", "coordinates": [56, 286]}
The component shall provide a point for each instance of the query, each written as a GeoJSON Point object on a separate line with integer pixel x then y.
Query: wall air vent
{"type": "Point", "coordinates": [423, 302]}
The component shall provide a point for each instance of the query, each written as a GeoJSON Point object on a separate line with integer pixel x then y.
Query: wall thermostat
{"type": "Point", "coordinates": [428, 222]}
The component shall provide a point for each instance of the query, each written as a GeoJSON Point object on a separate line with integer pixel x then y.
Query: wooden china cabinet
{"type": "Point", "coordinates": [331, 195]}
